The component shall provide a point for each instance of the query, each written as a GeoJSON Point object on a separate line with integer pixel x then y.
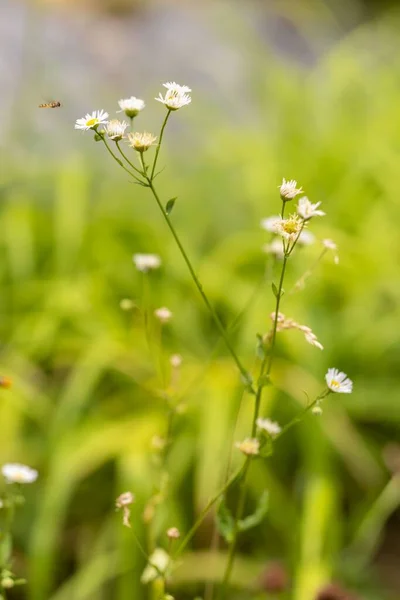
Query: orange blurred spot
{"type": "Point", "coordinates": [5, 382]}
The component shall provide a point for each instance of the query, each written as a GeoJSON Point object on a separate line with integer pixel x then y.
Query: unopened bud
{"type": "Point", "coordinates": [173, 533]}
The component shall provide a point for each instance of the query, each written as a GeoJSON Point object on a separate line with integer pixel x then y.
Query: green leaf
{"type": "Point", "coordinates": [225, 521]}
{"type": "Point", "coordinates": [257, 516]}
{"type": "Point", "coordinates": [275, 290]}
{"type": "Point", "coordinates": [170, 205]}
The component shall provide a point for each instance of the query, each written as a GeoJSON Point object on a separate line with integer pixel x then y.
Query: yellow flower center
{"type": "Point", "coordinates": [291, 227]}
{"type": "Point", "coordinates": [91, 122]}
{"type": "Point", "coordinates": [335, 383]}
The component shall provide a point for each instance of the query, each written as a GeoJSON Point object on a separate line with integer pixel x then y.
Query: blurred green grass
{"type": "Point", "coordinates": [84, 405]}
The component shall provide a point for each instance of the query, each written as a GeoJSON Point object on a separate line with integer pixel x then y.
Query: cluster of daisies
{"type": "Point", "coordinates": [289, 230]}
{"type": "Point", "coordinates": [174, 98]}
{"type": "Point", "coordinates": [292, 230]}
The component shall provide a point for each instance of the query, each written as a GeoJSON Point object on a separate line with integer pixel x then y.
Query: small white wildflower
{"type": "Point", "coordinates": [159, 561]}
{"type": "Point", "coordinates": [173, 533]}
{"type": "Point", "coordinates": [269, 224]}
{"type": "Point", "coordinates": [131, 106]}
{"type": "Point", "coordinates": [146, 262]}
{"type": "Point", "coordinates": [141, 142]}
{"type": "Point", "coordinates": [271, 427]}
{"type": "Point", "coordinates": [249, 446]}
{"type": "Point", "coordinates": [316, 410]}
{"type": "Point", "coordinates": [163, 314]}
{"type": "Point", "coordinates": [306, 238]}
{"type": "Point", "coordinates": [92, 121]}
{"type": "Point", "coordinates": [337, 381]}
{"type": "Point", "coordinates": [17, 473]}
{"type": "Point", "coordinates": [176, 96]}
{"type": "Point", "coordinates": [275, 248]}
{"type": "Point", "coordinates": [307, 210]}
{"type": "Point", "coordinates": [289, 228]}
{"type": "Point", "coordinates": [116, 129]}
{"type": "Point", "coordinates": [175, 360]}
{"type": "Point", "coordinates": [288, 189]}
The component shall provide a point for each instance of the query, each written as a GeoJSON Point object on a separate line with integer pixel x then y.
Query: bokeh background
{"type": "Point", "coordinates": [297, 89]}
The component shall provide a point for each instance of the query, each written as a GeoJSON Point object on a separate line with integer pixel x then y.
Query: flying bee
{"type": "Point", "coordinates": [50, 105]}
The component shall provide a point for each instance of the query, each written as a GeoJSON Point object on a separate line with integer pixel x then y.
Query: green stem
{"type": "Point", "coordinates": [139, 545]}
{"type": "Point", "coordinates": [237, 517]}
{"type": "Point", "coordinates": [121, 164]}
{"type": "Point", "coordinates": [301, 281]}
{"type": "Point", "coordinates": [127, 159]}
{"type": "Point", "coordinates": [214, 315]}
{"type": "Point", "coordinates": [265, 371]}
{"type": "Point", "coordinates": [205, 510]}
{"type": "Point", "coordinates": [159, 144]}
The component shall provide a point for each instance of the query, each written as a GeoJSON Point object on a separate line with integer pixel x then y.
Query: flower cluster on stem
{"type": "Point", "coordinates": [291, 231]}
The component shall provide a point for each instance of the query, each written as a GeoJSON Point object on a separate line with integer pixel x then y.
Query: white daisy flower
{"type": "Point", "coordinates": [141, 141]}
{"type": "Point", "coordinates": [115, 129]}
{"type": "Point", "coordinates": [249, 446]}
{"type": "Point", "coordinates": [307, 209]}
{"type": "Point", "coordinates": [288, 189]}
{"type": "Point", "coordinates": [131, 106]}
{"type": "Point", "coordinates": [163, 314]}
{"type": "Point", "coordinates": [146, 262]}
{"type": "Point", "coordinates": [92, 121]}
{"type": "Point", "coordinates": [275, 248]}
{"type": "Point", "coordinates": [271, 427]}
{"type": "Point", "coordinates": [17, 473]}
{"type": "Point", "coordinates": [337, 381]}
{"type": "Point", "coordinates": [176, 96]}
{"type": "Point", "coordinates": [269, 224]}
{"type": "Point", "coordinates": [159, 561]}
{"type": "Point", "coordinates": [289, 228]}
